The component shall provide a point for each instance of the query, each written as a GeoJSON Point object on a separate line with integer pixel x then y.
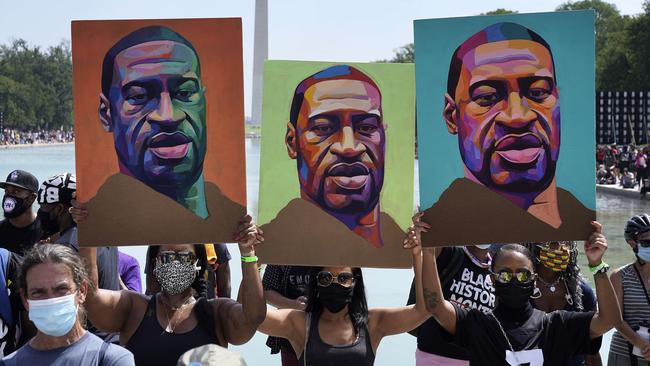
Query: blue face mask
{"type": "Point", "coordinates": [643, 253]}
{"type": "Point", "coordinates": [54, 317]}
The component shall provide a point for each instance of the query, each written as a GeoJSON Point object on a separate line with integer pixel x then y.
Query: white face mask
{"type": "Point", "coordinates": [56, 316]}
{"type": "Point", "coordinates": [483, 246]}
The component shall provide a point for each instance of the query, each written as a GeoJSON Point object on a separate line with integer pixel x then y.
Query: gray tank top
{"type": "Point", "coordinates": [636, 309]}
{"type": "Point", "coordinates": [319, 353]}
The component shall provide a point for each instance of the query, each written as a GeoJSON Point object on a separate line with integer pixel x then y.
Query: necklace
{"type": "Point", "coordinates": [512, 349]}
{"type": "Point", "coordinates": [171, 327]}
{"type": "Point", "coordinates": [550, 286]}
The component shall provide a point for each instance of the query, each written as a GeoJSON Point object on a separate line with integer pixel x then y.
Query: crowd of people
{"type": "Point", "coordinates": [9, 136]}
{"type": "Point", "coordinates": [625, 166]}
{"type": "Point", "coordinates": [514, 304]}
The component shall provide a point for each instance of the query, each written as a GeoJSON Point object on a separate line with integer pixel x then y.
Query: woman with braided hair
{"type": "Point", "coordinates": [632, 283]}
{"type": "Point", "coordinates": [561, 287]}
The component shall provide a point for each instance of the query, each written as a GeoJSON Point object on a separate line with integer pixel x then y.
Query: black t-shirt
{"type": "Point", "coordinates": [470, 287]}
{"type": "Point", "coordinates": [19, 240]}
{"type": "Point", "coordinates": [543, 340]}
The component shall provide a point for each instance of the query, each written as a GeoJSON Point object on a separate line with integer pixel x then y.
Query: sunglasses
{"type": "Point", "coordinates": [324, 279]}
{"type": "Point", "coordinates": [522, 276]}
{"type": "Point", "coordinates": [644, 243]}
{"type": "Point", "coordinates": [169, 256]}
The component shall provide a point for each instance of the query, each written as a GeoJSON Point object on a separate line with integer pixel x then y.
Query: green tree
{"type": "Point", "coordinates": [500, 11]}
{"type": "Point", "coordinates": [35, 86]}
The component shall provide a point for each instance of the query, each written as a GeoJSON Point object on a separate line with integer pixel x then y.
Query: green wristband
{"type": "Point", "coordinates": [251, 259]}
{"type": "Point", "coordinates": [602, 267]}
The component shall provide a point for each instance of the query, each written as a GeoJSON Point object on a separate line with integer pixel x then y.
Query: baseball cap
{"type": "Point", "coordinates": [21, 179]}
{"type": "Point", "coordinates": [210, 355]}
{"type": "Point", "coordinates": [57, 189]}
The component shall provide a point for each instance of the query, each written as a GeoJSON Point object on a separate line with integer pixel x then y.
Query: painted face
{"type": "Point", "coordinates": [157, 108]}
{"type": "Point", "coordinates": [508, 115]}
{"type": "Point", "coordinates": [340, 145]}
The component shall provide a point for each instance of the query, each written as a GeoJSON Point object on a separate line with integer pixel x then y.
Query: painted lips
{"type": "Point", "coordinates": [170, 146]}
{"type": "Point", "coordinates": [349, 176]}
{"type": "Point", "coordinates": [519, 149]}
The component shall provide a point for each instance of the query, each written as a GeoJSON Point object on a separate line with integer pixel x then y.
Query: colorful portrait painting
{"type": "Point", "coordinates": [336, 163]}
{"type": "Point", "coordinates": [159, 122]}
{"type": "Point", "coordinates": [490, 112]}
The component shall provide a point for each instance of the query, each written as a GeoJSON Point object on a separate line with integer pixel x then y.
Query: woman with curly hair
{"type": "Point", "coordinates": [560, 286]}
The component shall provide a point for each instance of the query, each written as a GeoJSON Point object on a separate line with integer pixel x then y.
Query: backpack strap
{"type": "Point", "coordinates": [102, 353]}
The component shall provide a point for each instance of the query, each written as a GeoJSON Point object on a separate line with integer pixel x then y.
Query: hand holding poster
{"type": "Point", "coordinates": [490, 89]}
{"type": "Point", "coordinates": [336, 182]}
{"type": "Point", "coordinates": [159, 123]}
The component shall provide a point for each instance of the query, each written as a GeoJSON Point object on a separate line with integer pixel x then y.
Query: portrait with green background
{"type": "Point", "coordinates": [278, 172]}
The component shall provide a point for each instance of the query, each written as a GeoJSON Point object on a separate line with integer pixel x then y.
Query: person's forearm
{"type": "Point", "coordinates": [419, 293]}
{"type": "Point", "coordinates": [629, 334]}
{"type": "Point", "coordinates": [223, 280]}
{"type": "Point", "coordinates": [252, 294]}
{"type": "Point", "coordinates": [431, 288]}
{"type": "Point", "coordinates": [607, 301]}
{"type": "Point", "coordinates": [90, 256]}
{"type": "Point", "coordinates": [281, 302]}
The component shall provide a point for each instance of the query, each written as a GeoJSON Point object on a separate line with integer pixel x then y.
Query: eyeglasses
{"type": "Point", "coordinates": [324, 279]}
{"type": "Point", "coordinates": [522, 276]}
{"type": "Point", "coordinates": [168, 256]}
{"type": "Point", "coordinates": [644, 243]}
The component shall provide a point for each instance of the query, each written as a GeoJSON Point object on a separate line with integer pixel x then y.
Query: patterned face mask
{"type": "Point", "coordinates": [554, 257]}
{"type": "Point", "coordinates": [175, 277]}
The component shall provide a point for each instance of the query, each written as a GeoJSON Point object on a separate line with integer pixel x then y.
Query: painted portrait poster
{"type": "Point", "coordinates": [336, 171]}
{"type": "Point", "coordinates": [158, 112]}
{"type": "Point", "coordinates": [505, 108]}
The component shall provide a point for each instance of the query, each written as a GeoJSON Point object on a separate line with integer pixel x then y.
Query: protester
{"type": "Point", "coordinates": [20, 229]}
{"type": "Point", "coordinates": [561, 287]}
{"type": "Point", "coordinates": [129, 270]}
{"type": "Point", "coordinates": [627, 179]}
{"type": "Point", "coordinates": [54, 285]}
{"type": "Point", "coordinates": [515, 333]}
{"type": "Point", "coordinates": [157, 339]}
{"type": "Point", "coordinates": [55, 196]}
{"type": "Point", "coordinates": [285, 287]}
{"type": "Point", "coordinates": [10, 136]}
{"type": "Point", "coordinates": [464, 276]}
{"type": "Point", "coordinates": [336, 327]}
{"type": "Point", "coordinates": [15, 326]}
{"type": "Point", "coordinates": [601, 173]}
{"type": "Point", "coordinates": [210, 355]}
{"type": "Point", "coordinates": [630, 283]}
{"type": "Point", "coordinates": [217, 274]}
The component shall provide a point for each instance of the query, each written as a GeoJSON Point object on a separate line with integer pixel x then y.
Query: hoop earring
{"type": "Point", "coordinates": [536, 293]}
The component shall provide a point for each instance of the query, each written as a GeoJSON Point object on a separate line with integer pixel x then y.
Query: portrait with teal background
{"type": "Point", "coordinates": [491, 146]}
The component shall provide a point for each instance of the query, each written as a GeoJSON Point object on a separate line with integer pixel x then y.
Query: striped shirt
{"type": "Point", "coordinates": [636, 309]}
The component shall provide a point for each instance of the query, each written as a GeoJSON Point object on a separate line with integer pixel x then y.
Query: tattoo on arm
{"type": "Point", "coordinates": [431, 298]}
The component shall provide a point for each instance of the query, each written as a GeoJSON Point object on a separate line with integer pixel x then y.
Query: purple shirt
{"type": "Point", "coordinates": [129, 269]}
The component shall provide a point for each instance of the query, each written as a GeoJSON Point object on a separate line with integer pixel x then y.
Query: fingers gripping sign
{"type": "Point", "coordinates": [596, 245]}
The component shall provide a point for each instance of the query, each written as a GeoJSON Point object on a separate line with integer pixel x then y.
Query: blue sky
{"type": "Point", "coordinates": [333, 30]}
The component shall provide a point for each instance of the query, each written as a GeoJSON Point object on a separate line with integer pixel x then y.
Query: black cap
{"type": "Point", "coordinates": [21, 179]}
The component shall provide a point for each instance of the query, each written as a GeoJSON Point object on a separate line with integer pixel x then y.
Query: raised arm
{"type": "Point", "coordinates": [108, 310]}
{"type": "Point", "coordinates": [608, 314]}
{"type": "Point", "coordinates": [389, 321]}
{"type": "Point", "coordinates": [241, 319]}
{"type": "Point", "coordinates": [442, 310]}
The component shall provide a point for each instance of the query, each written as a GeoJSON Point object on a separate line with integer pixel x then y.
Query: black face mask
{"type": "Point", "coordinates": [13, 206]}
{"type": "Point", "coordinates": [49, 225]}
{"type": "Point", "coordinates": [335, 296]}
{"type": "Point", "coordinates": [514, 295]}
